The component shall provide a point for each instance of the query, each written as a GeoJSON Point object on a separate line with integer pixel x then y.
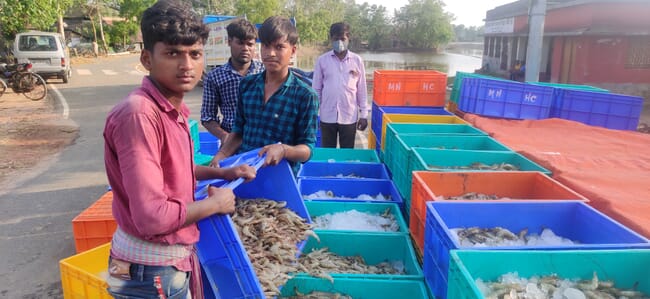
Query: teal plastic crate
{"type": "Point", "coordinates": [626, 268]}
{"type": "Point", "coordinates": [575, 220]}
{"type": "Point", "coordinates": [449, 160]}
{"type": "Point", "coordinates": [374, 248]}
{"type": "Point", "coordinates": [344, 155]}
{"type": "Point", "coordinates": [357, 288]}
{"type": "Point", "coordinates": [394, 129]}
{"type": "Point", "coordinates": [403, 155]}
{"type": "Point", "coordinates": [194, 133]}
{"type": "Point", "coordinates": [201, 159]}
{"type": "Point", "coordinates": [320, 208]}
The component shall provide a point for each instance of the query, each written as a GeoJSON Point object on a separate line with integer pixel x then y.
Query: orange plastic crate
{"type": "Point", "coordinates": [409, 88]}
{"type": "Point", "coordinates": [515, 185]}
{"type": "Point", "coordinates": [95, 225]}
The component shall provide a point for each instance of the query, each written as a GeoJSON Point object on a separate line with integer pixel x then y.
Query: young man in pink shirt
{"type": "Point", "coordinates": [340, 81]}
{"type": "Point", "coordinates": [148, 156]}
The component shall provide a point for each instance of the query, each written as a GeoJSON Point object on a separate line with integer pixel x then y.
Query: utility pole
{"type": "Point", "coordinates": [536, 16]}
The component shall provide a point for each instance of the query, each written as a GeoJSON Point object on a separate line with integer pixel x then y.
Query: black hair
{"type": "Point", "coordinates": [277, 27]}
{"type": "Point", "coordinates": [339, 28]}
{"type": "Point", "coordinates": [242, 29]}
{"type": "Point", "coordinates": [172, 22]}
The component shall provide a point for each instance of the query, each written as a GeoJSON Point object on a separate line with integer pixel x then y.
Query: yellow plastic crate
{"type": "Point", "coordinates": [416, 119]}
{"type": "Point", "coordinates": [84, 275]}
{"type": "Point", "coordinates": [372, 140]}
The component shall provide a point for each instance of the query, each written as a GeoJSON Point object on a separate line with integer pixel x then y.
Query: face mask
{"type": "Point", "coordinates": [339, 46]}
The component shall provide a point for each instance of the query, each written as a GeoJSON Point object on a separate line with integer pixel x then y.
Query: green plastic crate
{"type": "Point", "coordinates": [319, 208]}
{"type": "Point", "coordinates": [374, 248]}
{"type": "Point", "coordinates": [201, 159]}
{"type": "Point", "coordinates": [440, 159]}
{"type": "Point", "coordinates": [394, 129]}
{"type": "Point", "coordinates": [403, 155]}
{"type": "Point", "coordinates": [344, 155]}
{"type": "Point", "coordinates": [458, 83]}
{"type": "Point", "coordinates": [194, 133]}
{"type": "Point", "coordinates": [357, 288]}
{"type": "Point", "coordinates": [627, 268]}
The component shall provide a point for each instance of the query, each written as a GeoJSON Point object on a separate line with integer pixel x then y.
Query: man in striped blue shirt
{"type": "Point", "coordinates": [221, 85]}
{"type": "Point", "coordinates": [275, 110]}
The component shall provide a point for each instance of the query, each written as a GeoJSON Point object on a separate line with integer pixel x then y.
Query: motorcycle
{"type": "Point", "coordinates": [20, 79]}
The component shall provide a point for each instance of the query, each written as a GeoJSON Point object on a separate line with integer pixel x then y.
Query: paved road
{"type": "Point", "coordinates": [36, 215]}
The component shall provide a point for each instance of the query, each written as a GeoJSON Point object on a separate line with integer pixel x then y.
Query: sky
{"type": "Point", "coordinates": [467, 12]}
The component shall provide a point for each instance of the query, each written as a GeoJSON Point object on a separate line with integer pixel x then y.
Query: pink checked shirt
{"type": "Point", "coordinates": [341, 88]}
{"type": "Point", "coordinates": [148, 157]}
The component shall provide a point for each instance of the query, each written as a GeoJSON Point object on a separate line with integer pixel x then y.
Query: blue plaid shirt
{"type": "Point", "coordinates": [220, 90]}
{"type": "Point", "coordinates": [289, 116]}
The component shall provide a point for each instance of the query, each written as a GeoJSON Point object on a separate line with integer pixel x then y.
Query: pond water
{"type": "Point", "coordinates": [464, 58]}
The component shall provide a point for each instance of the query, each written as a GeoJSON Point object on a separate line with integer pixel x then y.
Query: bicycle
{"type": "Point", "coordinates": [21, 80]}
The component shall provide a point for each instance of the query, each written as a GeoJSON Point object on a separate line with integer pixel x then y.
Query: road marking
{"type": "Point", "coordinates": [84, 72]}
{"type": "Point", "coordinates": [109, 72]}
{"type": "Point", "coordinates": [64, 103]}
{"type": "Point", "coordinates": [135, 72]}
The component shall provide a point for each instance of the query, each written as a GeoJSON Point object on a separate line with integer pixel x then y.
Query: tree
{"type": "Point", "coordinates": [257, 11]}
{"type": "Point", "coordinates": [18, 16]}
{"type": "Point", "coordinates": [423, 24]}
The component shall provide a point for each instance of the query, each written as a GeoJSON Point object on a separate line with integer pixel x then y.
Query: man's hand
{"type": "Point", "coordinates": [362, 124]}
{"type": "Point", "coordinates": [274, 153]}
{"type": "Point", "coordinates": [240, 171]}
{"type": "Point", "coordinates": [216, 159]}
{"type": "Point", "coordinates": [223, 199]}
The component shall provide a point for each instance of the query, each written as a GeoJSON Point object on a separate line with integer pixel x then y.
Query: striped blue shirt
{"type": "Point", "coordinates": [220, 89]}
{"type": "Point", "coordinates": [289, 116]}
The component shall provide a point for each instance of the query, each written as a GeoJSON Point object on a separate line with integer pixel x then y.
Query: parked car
{"type": "Point", "coordinates": [47, 52]}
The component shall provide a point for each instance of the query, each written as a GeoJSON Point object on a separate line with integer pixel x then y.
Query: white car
{"type": "Point", "coordinates": [47, 53]}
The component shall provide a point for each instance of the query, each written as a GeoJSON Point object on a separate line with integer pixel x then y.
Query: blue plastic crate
{"type": "Point", "coordinates": [220, 250]}
{"type": "Point", "coordinates": [574, 220]}
{"type": "Point", "coordinates": [346, 169]}
{"type": "Point", "coordinates": [374, 248]}
{"type": "Point", "coordinates": [506, 99]}
{"type": "Point", "coordinates": [378, 113]}
{"type": "Point", "coordinates": [357, 288]}
{"type": "Point", "coordinates": [209, 143]}
{"type": "Point", "coordinates": [320, 208]}
{"type": "Point", "coordinates": [608, 110]}
{"type": "Point", "coordinates": [350, 188]}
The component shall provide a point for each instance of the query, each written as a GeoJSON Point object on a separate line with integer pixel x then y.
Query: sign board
{"type": "Point", "coordinates": [500, 26]}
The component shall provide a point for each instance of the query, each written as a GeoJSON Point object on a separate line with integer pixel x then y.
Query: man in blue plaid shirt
{"type": "Point", "coordinates": [221, 85]}
{"type": "Point", "coordinates": [275, 110]}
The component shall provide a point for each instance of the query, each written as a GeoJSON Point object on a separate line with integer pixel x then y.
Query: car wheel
{"type": "Point", "coordinates": [66, 76]}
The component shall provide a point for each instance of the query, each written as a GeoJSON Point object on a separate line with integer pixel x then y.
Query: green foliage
{"type": "Point", "coordinates": [423, 24]}
{"type": "Point", "coordinates": [131, 10]}
{"type": "Point", "coordinates": [468, 34]}
{"type": "Point", "coordinates": [257, 11]}
{"type": "Point", "coordinates": [19, 15]}
{"type": "Point", "coordinates": [120, 32]}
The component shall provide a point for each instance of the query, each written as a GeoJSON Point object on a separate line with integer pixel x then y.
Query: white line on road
{"type": "Point", "coordinates": [84, 72]}
{"type": "Point", "coordinates": [64, 103]}
{"type": "Point", "coordinates": [109, 72]}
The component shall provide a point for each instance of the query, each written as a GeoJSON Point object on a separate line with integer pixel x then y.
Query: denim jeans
{"type": "Point", "coordinates": [175, 283]}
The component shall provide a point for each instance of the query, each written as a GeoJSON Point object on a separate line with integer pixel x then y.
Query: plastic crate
{"type": "Point", "coordinates": [345, 169]}
{"type": "Point", "coordinates": [319, 208]}
{"type": "Point", "coordinates": [201, 159]}
{"type": "Point", "coordinates": [608, 110]}
{"type": "Point", "coordinates": [372, 140]}
{"type": "Point", "coordinates": [388, 118]}
{"type": "Point", "coordinates": [409, 88]}
{"type": "Point", "coordinates": [506, 99]}
{"type": "Point", "coordinates": [344, 155]}
{"type": "Point", "coordinates": [374, 248]}
{"type": "Point", "coordinates": [458, 83]}
{"type": "Point", "coordinates": [95, 225]}
{"type": "Point", "coordinates": [228, 269]}
{"type": "Point", "coordinates": [209, 143]}
{"type": "Point", "coordinates": [357, 288]}
{"type": "Point", "coordinates": [574, 220]}
{"type": "Point", "coordinates": [403, 155]}
{"type": "Point", "coordinates": [558, 93]}
{"type": "Point", "coordinates": [84, 275]}
{"type": "Point", "coordinates": [516, 185]}
{"type": "Point", "coordinates": [443, 160]}
{"type": "Point", "coordinates": [378, 113]}
{"type": "Point", "coordinates": [194, 133]}
{"type": "Point", "coordinates": [350, 188]}
{"type": "Point", "coordinates": [626, 268]}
